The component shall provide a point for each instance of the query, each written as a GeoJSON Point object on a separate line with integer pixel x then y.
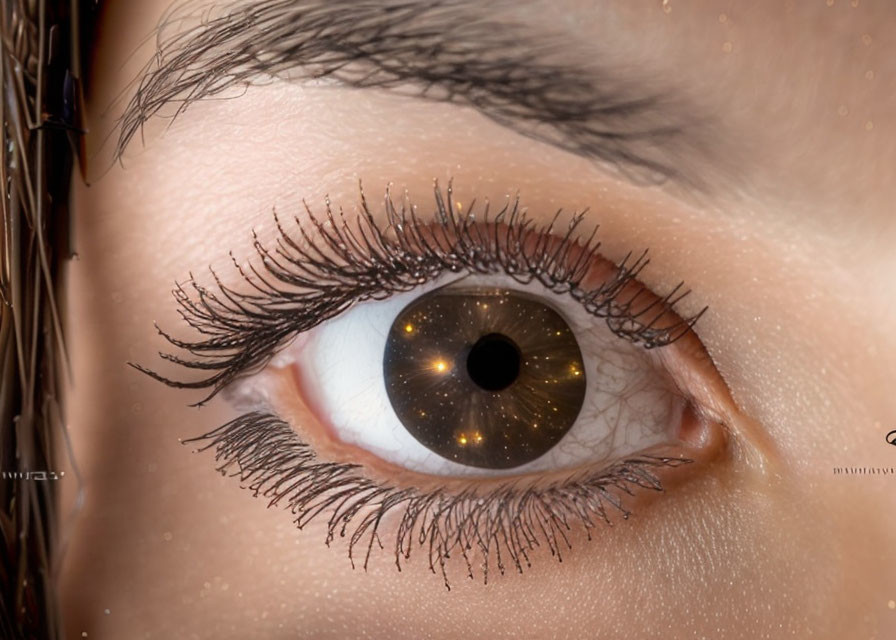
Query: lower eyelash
{"type": "Point", "coordinates": [502, 525]}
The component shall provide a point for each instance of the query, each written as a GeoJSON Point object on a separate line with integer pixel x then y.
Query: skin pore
{"type": "Point", "coordinates": [787, 239]}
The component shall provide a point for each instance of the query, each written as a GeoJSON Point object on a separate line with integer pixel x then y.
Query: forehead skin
{"type": "Point", "coordinates": [790, 246]}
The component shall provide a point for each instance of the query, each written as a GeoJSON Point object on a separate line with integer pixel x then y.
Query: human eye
{"type": "Point", "coordinates": [468, 383]}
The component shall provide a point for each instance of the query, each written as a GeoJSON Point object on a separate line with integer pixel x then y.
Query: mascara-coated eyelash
{"type": "Point", "coordinates": [504, 524]}
{"type": "Point", "coordinates": [328, 265]}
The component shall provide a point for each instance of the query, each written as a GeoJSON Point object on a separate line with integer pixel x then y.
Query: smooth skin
{"type": "Point", "coordinates": [791, 247]}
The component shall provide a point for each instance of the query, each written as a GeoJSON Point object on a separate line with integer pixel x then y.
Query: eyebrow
{"type": "Point", "coordinates": [522, 76]}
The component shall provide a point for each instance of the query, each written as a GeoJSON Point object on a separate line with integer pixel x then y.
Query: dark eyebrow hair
{"type": "Point", "coordinates": [456, 51]}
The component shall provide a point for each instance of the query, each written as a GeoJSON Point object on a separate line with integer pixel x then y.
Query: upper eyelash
{"type": "Point", "coordinates": [303, 286]}
{"type": "Point", "coordinates": [506, 522]}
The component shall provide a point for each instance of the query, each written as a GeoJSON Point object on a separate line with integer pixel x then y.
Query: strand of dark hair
{"type": "Point", "coordinates": [39, 111]}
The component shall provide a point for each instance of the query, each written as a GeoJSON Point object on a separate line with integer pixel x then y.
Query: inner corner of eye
{"type": "Point", "coordinates": [479, 379]}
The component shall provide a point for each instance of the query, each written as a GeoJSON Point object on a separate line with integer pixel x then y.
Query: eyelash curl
{"type": "Point", "coordinates": [329, 264]}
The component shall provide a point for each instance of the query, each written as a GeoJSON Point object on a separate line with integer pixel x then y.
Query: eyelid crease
{"type": "Point", "coordinates": [506, 523]}
{"type": "Point", "coordinates": [306, 282]}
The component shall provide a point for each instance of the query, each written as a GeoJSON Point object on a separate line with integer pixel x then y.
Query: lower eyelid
{"type": "Point", "coordinates": [702, 440]}
{"type": "Point", "coordinates": [513, 520]}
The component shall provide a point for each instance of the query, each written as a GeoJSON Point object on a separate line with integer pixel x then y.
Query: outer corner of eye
{"type": "Point", "coordinates": [705, 428]}
{"type": "Point", "coordinates": [486, 378]}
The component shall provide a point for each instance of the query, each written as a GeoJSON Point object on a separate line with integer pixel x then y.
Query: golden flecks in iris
{"type": "Point", "coordinates": [463, 438]}
{"type": "Point", "coordinates": [449, 412]}
{"type": "Point", "coordinates": [574, 370]}
{"type": "Point", "coordinates": [727, 47]}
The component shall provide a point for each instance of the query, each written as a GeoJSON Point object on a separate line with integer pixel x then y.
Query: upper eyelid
{"type": "Point", "coordinates": [242, 331]}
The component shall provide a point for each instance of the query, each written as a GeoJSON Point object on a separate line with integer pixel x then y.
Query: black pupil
{"type": "Point", "coordinates": [494, 362]}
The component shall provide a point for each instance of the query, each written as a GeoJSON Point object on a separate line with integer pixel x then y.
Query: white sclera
{"type": "Point", "coordinates": [630, 404]}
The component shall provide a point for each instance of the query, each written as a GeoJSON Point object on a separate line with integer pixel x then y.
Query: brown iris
{"type": "Point", "coordinates": [488, 378]}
